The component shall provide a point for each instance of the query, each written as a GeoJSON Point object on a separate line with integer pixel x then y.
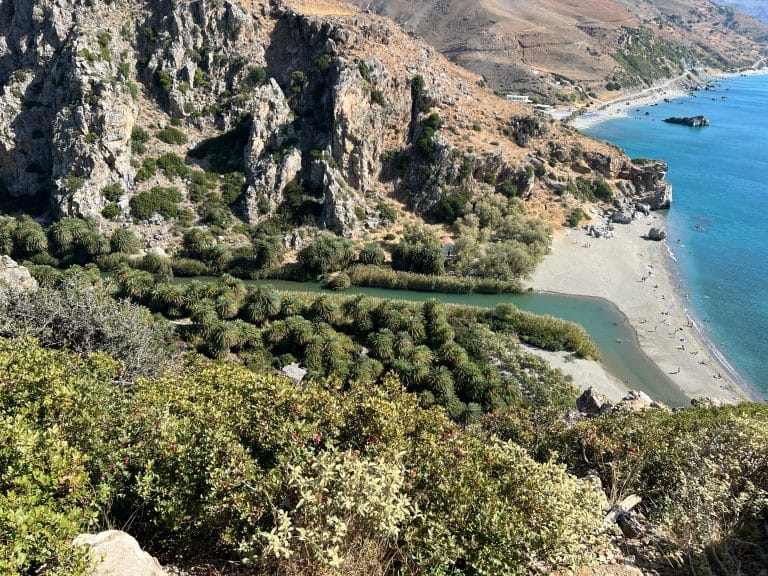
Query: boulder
{"type": "Point", "coordinates": [593, 403]}
{"type": "Point", "coordinates": [637, 401]}
{"type": "Point", "coordinates": [15, 275]}
{"type": "Point", "coordinates": [115, 553]}
{"type": "Point", "coordinates": [708, 402]}
{"type": "Point", "coordinates": [657, 234]}
{"type": "Point", "coordinates": [295, 372]}
{"type": "Point", "coordinates": [629, 525]}
{"type": "Point", "coordinates": [621, 217]}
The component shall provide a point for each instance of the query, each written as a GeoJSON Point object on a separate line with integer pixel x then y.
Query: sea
{"type": "Point", "coordinates": [718, 224]}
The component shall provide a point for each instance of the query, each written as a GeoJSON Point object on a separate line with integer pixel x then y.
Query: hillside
{"type": "Point", "coordinates": [562, 50]}
{"type": "Point", "coordinates": [265, 123]}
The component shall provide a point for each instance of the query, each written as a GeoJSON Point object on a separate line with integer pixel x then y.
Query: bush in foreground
{"type": "Point", "coordinates": [248, 457]}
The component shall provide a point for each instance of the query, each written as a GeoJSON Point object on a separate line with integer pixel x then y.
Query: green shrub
{"type": "Point", "coordinates": [232, 184]}
{"type": "Point", "coordinates": [139, 139]}
{"type": "Point", "coordinates": [158, 265]}
{"type": "Point", "coordinates": [111, 211]}
{"type": "Point", "coordinates": [85, 319]}
{"type": "Point", "coordinates": [384, 277]}
{"type": "Point", "coordinates": [147, 170]}
{"type": "Point", "coordinates": [324, 62]}
{"type": "Point", "coordinates": [371, 254]}
{"type": "Point", "coordinates": [196, 242]}
{"type": "Point", "coordinates": [173, 166]}
{"type": "Point", "coordinates": [326, 253]}
{"type": "Point", "coordinates": [575, 217]}
{"type": "Point", "coordinates": [418, 252]}
{"type": "Point", "coordinates": [158, 200]}
{"type": "Point", "coordinates": [187, 267]}
{"type": "Point", "coordinates": [339, 282]}
{"type": "Point", "coordinates": [425, 144]}
{"type": "Point", "coordinates": [544, 332]}
{"type": "Point", "coordinates": [451, 206]}
{"type": "Point", "coordinates": [171, 135]}
{"type": "Point", "coordinates": [386, 212]}
{"type": "Point", "coordinates": [124, 241]}
{"type": "Point", "coordinates": [112, 192]}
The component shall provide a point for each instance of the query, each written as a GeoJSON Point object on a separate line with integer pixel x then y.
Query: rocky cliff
{"type": "Point", "coordinates": [107, 106]}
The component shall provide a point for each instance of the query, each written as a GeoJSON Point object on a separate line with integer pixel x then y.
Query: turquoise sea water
{"type": "Point", "coordinates": [718, 224]}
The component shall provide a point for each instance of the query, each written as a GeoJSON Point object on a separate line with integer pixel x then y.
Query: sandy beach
{"type": "Point", "coordinates": [638, 276]}
{"type": "Point", "coordinates": [669, 90]}
{"type": "Point", "coordinates": [619, 107]}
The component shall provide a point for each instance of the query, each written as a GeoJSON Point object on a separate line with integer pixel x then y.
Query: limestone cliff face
{"type": "Point", "coordinates": [65, 117]}
{"type": "Point", "coordinates": [325, 97]}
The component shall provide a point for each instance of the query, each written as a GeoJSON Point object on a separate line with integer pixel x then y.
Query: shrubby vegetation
{"type": "Point", "coordinates": [499, 240]}
{"type": "Point", "coordinates": [82, 317]}
{"type": "Point", "coordinates": [436, 350]}
{"type": "Point", "coordinates": [249, 455]}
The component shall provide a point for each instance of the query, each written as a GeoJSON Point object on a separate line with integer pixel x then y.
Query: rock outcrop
{"type": "Point", "coordinates": [115, 553]}
{"type": "Point", "coordinates": [692, 121]}
{"type": "Point", "coordinates": [16, 276]}
{"type": "Point", "coordinates": [339, 102]}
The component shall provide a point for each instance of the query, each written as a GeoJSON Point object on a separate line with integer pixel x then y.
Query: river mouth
{"type": "Point", "coordinates": [609, 328]}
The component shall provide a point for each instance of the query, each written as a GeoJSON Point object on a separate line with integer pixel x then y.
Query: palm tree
{"type": "Point", "coordinates": [223, 338]}
{"type": "Point", "coordinates": [135, 284]}
{"type": "Point", "coordinates": [301, 330]}
{"type": "Point", "coordinates": [94, 244]}
{"type": "Point", "coordinates": [452, 354]}
{"type": "Point", "coordinates": [382, 344]}
{"type": "Point", "coordinates": [414, 326]}
{"type": "Point", "coordinates": [403, 344]}
{"type": "Point", "coordinates": [325, 309]}
{"type": "Point", "coordinates": [165, 296]}
{"type": "Point", "coordinates": [205, 317]}
{"type": "Point", "coordinates": [421, 355]}
{"type": "Point", "coordinates": [440, 381]}
{"type": "Point", "coordinates": [291, 305]}
{"type": "Point", "coordinates": [227, 306]}
{"type": "Point", "coordinates": [261, 304]}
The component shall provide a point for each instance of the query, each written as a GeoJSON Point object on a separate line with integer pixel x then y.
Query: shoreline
{"type": "Point", "coordinates": [671, 89]}
{"type": "Point", "coordinates": [613, 269]}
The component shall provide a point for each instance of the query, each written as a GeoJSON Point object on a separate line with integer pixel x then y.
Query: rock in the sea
{"type": "Point", "coordinates": [656, 234]}
{"type": "Point", "coordinates": [593, 403]}
{"type": "Point", "coordinates": [693, 121]}
{"type": "Point", "coordinates": [115, 553]}
{"type": "Point", "coordinates": [15, 275]}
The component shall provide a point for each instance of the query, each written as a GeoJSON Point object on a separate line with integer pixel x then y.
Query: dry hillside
{"type": "Point", "coordinates": [549, 47]}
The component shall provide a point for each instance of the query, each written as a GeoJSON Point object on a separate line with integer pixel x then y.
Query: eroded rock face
{"type": "Point", "coordinates": [270, 162]}
{"type": "Point", "coordinates": [342, 205]}
{"type": "Point", "coordinates": [115, 553]}
{"type": "Point", "coordinates": [66, 114]}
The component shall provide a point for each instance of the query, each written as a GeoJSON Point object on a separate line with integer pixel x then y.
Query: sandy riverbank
{"type": "Point", "coordinates": [614, 269]}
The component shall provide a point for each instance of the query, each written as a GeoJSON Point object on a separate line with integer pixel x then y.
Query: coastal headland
{"type": "Point", "coordinates": [638, 276]}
